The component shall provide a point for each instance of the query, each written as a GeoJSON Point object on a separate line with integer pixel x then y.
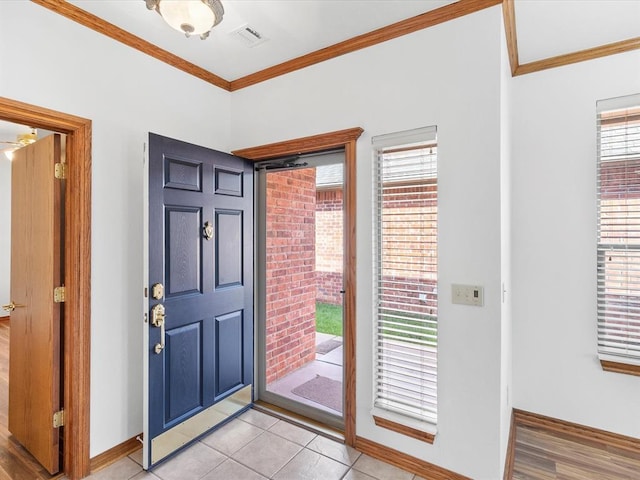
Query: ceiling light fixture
{"type": "Point", "coordinates": [22, 140]}
{"type": "Point", "coordinates": [191, 17]}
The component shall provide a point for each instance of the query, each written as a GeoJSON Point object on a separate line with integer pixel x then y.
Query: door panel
{"type": "Point", "coordinates": [183, 252]}
{"type": "Point", "coordinates": [229, 351]}
{"type": "Point", "coordinates": [201, 249]}
{"type": "Point", "coordinates": [34, 362]}
{"type": "Point", "coordinates": [183, 372]}
{"type": "Point", "coordinates": [229, 243]}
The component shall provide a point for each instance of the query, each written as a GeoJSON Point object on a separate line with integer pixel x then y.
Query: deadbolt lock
{"type": "Point", "coordinates": [157, 291]}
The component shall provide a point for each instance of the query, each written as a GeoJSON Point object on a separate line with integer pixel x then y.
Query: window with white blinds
{"type": "Point", "coordinates": [406, 274]}
{"type": "Point", "coordinates": [618, 187]}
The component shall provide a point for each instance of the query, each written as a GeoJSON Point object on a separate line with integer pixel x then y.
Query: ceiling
{"type": "Point", "coordinates": [547, 28]}
{"type": "Point", "coordinates": [292, 28]}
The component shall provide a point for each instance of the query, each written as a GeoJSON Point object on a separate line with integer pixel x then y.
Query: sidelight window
{"type": "Point", "coordinates": [618, 194]}
{"type": "Point", "coordinates": [406, 275]}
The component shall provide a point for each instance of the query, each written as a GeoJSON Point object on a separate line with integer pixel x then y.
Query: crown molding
{"type": "Point", "coordinates": [404, 27]}
{"type": "Point", "coordinates": [581, 56]}
{"type": "Point", "coordinates": [508, 13]}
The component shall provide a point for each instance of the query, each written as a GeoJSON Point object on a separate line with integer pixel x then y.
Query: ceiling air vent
{"type": "Point", "coordinates": [248, 36]}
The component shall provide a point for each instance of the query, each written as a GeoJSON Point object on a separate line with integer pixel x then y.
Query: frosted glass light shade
{"type": "Point", "coordinates": [191, 17]}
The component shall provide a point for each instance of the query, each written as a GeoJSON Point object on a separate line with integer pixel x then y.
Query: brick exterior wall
{"type": "Point", "coordinates": [421, 293]}
{"type": "Point", "coordinates": [329, 242]}
{"type": "Point", "coordinates": [290, 271]}
{"type": "Point", "coordinates": [417, 206]}
{"type": "Point", "coordinates": [304, 264]}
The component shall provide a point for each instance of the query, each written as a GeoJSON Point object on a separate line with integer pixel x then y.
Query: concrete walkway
{"type": "Point", "coordinates": [328, 365]}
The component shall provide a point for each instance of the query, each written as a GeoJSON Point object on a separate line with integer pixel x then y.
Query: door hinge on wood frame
{"type": "Point", "coordinates": [60, 171]}
{"type": "Point", "coordinates": [59, 294]}
{"type": "Point", "coordinates": [58, 419]}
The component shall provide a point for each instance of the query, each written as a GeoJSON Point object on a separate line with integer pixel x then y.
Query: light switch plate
{"type": "Point", "coordinates": [467, 295]}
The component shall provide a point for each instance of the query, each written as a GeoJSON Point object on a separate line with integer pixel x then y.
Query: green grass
{"type": "Point", "coordinates": [329, 318]}
{"type": "Point", "coordinates": [410, 326]}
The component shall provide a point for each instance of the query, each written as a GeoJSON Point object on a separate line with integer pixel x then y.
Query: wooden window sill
{"type": "Point", "coordinates": [617, 367]}
{"type": "Point", "coordinates": [404, 430]}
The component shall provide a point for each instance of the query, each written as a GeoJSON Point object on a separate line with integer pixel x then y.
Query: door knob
{"type": "Point", "coordinates": [157, 320]}
{"type": "Point", "coordinates": [11, 306]}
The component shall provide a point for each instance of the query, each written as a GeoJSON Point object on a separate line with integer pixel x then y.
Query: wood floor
{"type": "Point", "coordinates": [15, 462]}
{"type": "Point", "coordinates": [542, 454]}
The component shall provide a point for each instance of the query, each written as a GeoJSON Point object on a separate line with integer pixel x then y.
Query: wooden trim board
{"type": "Point", "coordinates": [581, 56]}
{"type": "Point", "coordinates": [616, 367]}
{"type": "Point", "coordinates": [315, 143]}
{"type": "Point", "coordinates": [5, 319]}
{"type": "Point", "coordinates": [426, 470]}
{"type": "Point", "coordinates": [511, 450]}
{"type": "Point", "coordinates": [404, 430]}
{"type": "Point", "coordinates": [508, 12]}
{"type": "Point", "coordinates": [522, 417]}
{"type": "Point", "coordinates": [115, 453]}
{"type": "Point", "coordinates": [77, 326]}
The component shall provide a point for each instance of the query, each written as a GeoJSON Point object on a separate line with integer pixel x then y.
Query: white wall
{"type": "Point", "coordinates": [447, 76]}
{"type": "Point", "coordinates": [555, 370]}
{"type": "Point", "coordinates": [5, 231]}
{"type": "Point", "coordinates": [126, 94]}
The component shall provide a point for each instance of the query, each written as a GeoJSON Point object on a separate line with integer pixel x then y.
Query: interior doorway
{"type": "Point", "coordinates": [301, 251]}
{"type": "Point", "coordinates": [77, 268]}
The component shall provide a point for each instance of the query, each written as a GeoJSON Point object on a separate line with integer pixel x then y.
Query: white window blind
{"type": "Point", "coordinates": [406, 265]}
{"type": "Point", "coordinates": [618, 187]}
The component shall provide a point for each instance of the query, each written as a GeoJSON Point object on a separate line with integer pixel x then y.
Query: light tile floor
{"type": "Point", "coordinates": [256, 446]}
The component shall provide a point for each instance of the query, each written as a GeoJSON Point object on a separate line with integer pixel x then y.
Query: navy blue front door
{"type": "Point", "coordinates": [200, 344]}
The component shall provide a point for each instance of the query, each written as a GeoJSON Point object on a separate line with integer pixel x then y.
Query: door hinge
{"type": "Point", "coordinates": [58, 419]}
{"type": "Point", "coordinates": [61, 171]}
{"type": "Point", "coordinates": [59, 294]}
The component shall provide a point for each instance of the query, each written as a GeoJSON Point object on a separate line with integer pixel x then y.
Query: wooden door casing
{"type": "Point", "coordinates": [77, 325]}
{"type": "Point", "coordinates": [36, 239]}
